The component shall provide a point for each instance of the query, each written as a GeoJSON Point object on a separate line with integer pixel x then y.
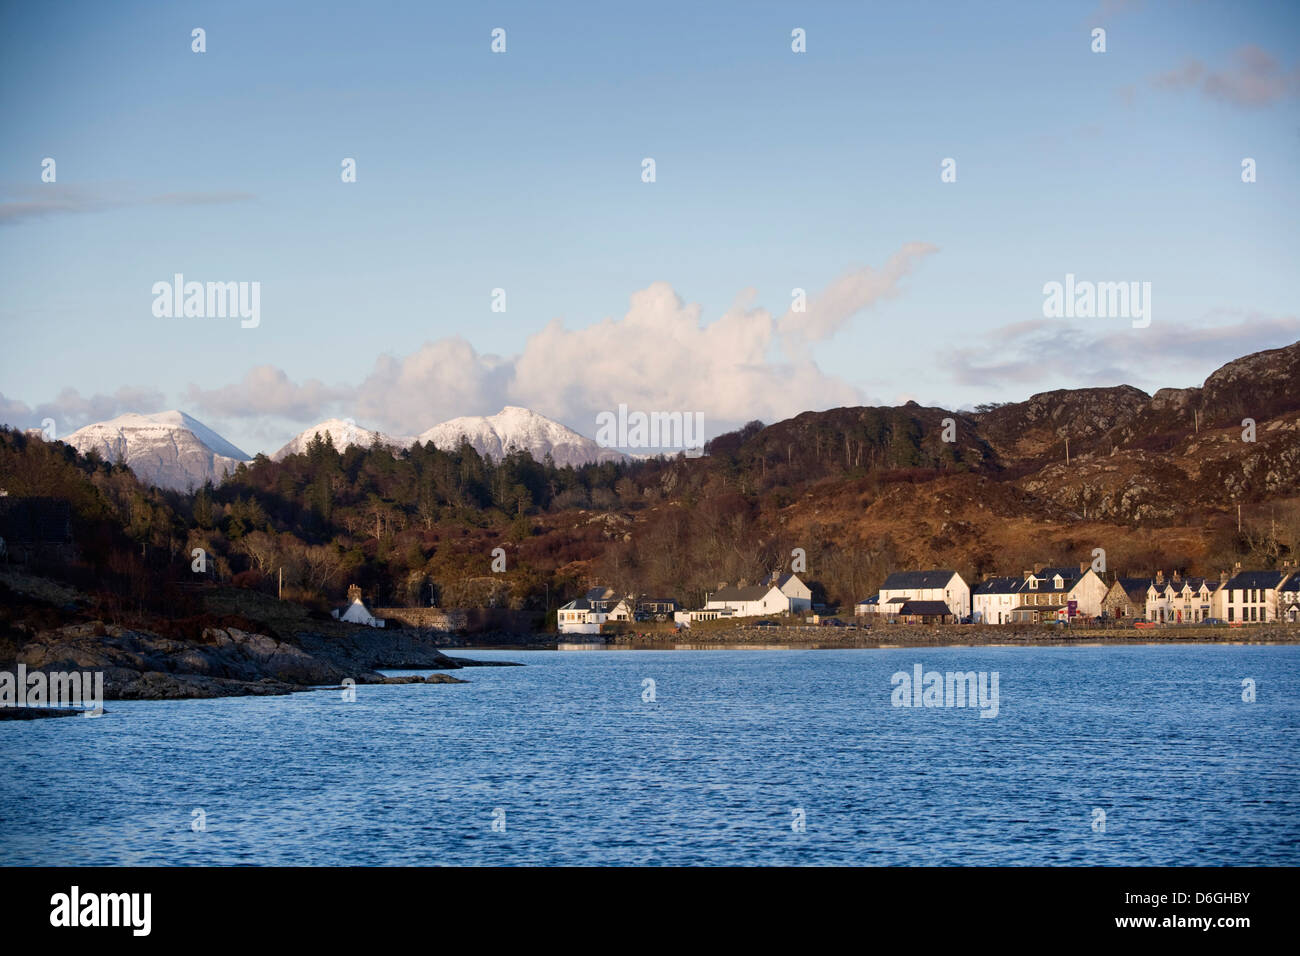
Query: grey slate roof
{"type": "Point", "coordinates": [1004, 585]}
{"type": "Point", "coordinates": [925, 608]}
{"type": "Point", "coordinates": [1135, 588]}
{"type": "Point", "coordinates": [1256, 579]}
{"type": "Point", "coordinates": [900, 580]}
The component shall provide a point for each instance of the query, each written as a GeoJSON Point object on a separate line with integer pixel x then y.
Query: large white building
{"type": "Point", "coordinates": [1180, 600]}
{"type": "Point", "coordinates": [754, 601]}
{"type": "Point", "coordinates": [946, 586]}
{"type": "Point", "coordinates": [1253, 596]}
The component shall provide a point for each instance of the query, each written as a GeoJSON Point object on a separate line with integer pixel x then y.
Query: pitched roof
{"type": "Point", "coordinates": [1134, 587]}
{"type": "Point", "coordinates": [755, 593]}
{"type": "Point", "coordinates": [1047, 580]}
{"type": "Point", "coordinates": [927, 608]}
{"type": "Point", "coordinates": [1069, 572]}
{"type": "Point", "coordinates": [1194, 583]}
{"type": "Point", "coordinates": [1256, 579]}
{"type": "Point", "coordinates": [900, 580]}
{"type": "Point", "coordinates": [998, 586]}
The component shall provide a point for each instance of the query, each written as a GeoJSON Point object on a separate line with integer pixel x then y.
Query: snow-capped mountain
{"type": "Point", "coordinates": [173, 450]}
{"type": "Point", "coordinates": [523, 429]}
{"type": "Point", "coordinates": [167, 449]}
{"type": "Point", "coordinates": [343, 434]}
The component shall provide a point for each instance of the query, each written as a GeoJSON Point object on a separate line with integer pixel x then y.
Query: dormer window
{"type": "Point", "coordinates": [1058, 582]}
{"type": "Point", "coordinates": [1033, 584]}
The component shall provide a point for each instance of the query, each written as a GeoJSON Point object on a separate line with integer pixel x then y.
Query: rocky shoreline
{"type": "Point", "coordinates": [228, 662]}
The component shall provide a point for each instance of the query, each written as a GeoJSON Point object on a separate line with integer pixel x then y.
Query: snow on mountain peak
{"type": "Point", "coordinates": [174, 450]}
{"type": "Point", "coordinates": [521, 428]}
{"type": "Point", "coordinates": [343, 433]}
{"type": "Point", "coordinates": [170, 449]}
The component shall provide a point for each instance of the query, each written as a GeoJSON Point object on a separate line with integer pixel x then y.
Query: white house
{"type": "Point", "coordinates": [580, 617]}
{"type": "Point", "coordinates": [1251, 596]}
{"type": "Point", "coordinates": [945, 586]}
{"type": "Point", "coordinates": [1288, 608]}
{"type": "Point", "coordinates": [749, 602]}
{"type": "Point", "coordinates": [791, 586]}
{"type": "Point", "coordinates": [993, 600]}
{"type": "Point", "coordinates": [624, 610]}
{"type": "Point", "coordinates": [356, 612]}
{"type": "Point", "coordinates": [1184, 600]}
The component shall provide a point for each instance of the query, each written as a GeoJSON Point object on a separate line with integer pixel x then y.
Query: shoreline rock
{"type": "Point", "coordinates": [229, 662]}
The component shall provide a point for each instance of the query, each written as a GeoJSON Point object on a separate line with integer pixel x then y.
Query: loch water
{"type": "Point", "coordinates": [796, 757]}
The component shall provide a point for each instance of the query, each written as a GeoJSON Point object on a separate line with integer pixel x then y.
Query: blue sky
{"type": "Point", "coordinates": [522, 171]}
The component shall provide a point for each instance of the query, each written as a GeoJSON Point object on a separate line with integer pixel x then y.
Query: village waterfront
{"type": "Point", "coordinates": [1112, 755]}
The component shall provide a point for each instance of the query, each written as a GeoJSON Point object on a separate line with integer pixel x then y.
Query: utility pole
{"type": "Point", "coordinates": [1067, 449]}
{"type": "Point", "coordinates": [279, 594]}
{"type": "Point", "coordinates": [1238, 517]}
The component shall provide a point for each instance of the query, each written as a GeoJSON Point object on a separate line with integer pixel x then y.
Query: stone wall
{"type": "Point", "coordinates": [426, 618]}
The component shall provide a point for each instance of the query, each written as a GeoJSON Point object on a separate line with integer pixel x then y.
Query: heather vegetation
{"type": "Point", "coordinates": [859, 494]}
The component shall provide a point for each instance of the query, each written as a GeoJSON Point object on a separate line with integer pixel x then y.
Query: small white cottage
{"type": "Point", "coordinates": [356, 612]}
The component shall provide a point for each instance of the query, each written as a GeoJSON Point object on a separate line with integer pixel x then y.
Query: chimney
{"type": "Point", "coordinates": [1177, 576]}
{"type": "Point", "coordinates": [1237, 566]}
{"type": "Point", "coordinates": [1223, 578]}
{"type": "Point", "coordinates": [1027, 574]}
{"type": "Point", "coordinates": [354, 593]}
{"type": "Point", "coordinates": [1038, 568]}
{"type": "Point", "coordinates": [1160, 577]}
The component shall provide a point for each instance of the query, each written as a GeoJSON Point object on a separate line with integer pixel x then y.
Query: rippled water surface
{"type": "Point", "coordinates": [583, 770]}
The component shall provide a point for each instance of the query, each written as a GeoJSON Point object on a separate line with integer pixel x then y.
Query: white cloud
{"type": "Point", "coordinates": [267, 391]}
{"type": "Point", "coordinates": [660, 355]}
{"type": "Point", "coordinates": [1057, 354]}
{"type": "Point", "coordinates": [71, 410]}
{"type": "Point", "coordinates": [851, 293]}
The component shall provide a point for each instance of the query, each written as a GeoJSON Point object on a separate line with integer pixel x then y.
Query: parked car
{"type": "Point", "coordinates": [766, 624]}
{"type": "Point", "coordinates": [1214, 621]}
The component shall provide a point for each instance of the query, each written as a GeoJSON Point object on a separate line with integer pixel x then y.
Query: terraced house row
{"type": "Point", "coordinates": [1064, 594]}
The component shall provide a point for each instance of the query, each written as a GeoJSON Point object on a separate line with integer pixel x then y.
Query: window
{"type": "Point", "coordinates": [1230, 612]}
